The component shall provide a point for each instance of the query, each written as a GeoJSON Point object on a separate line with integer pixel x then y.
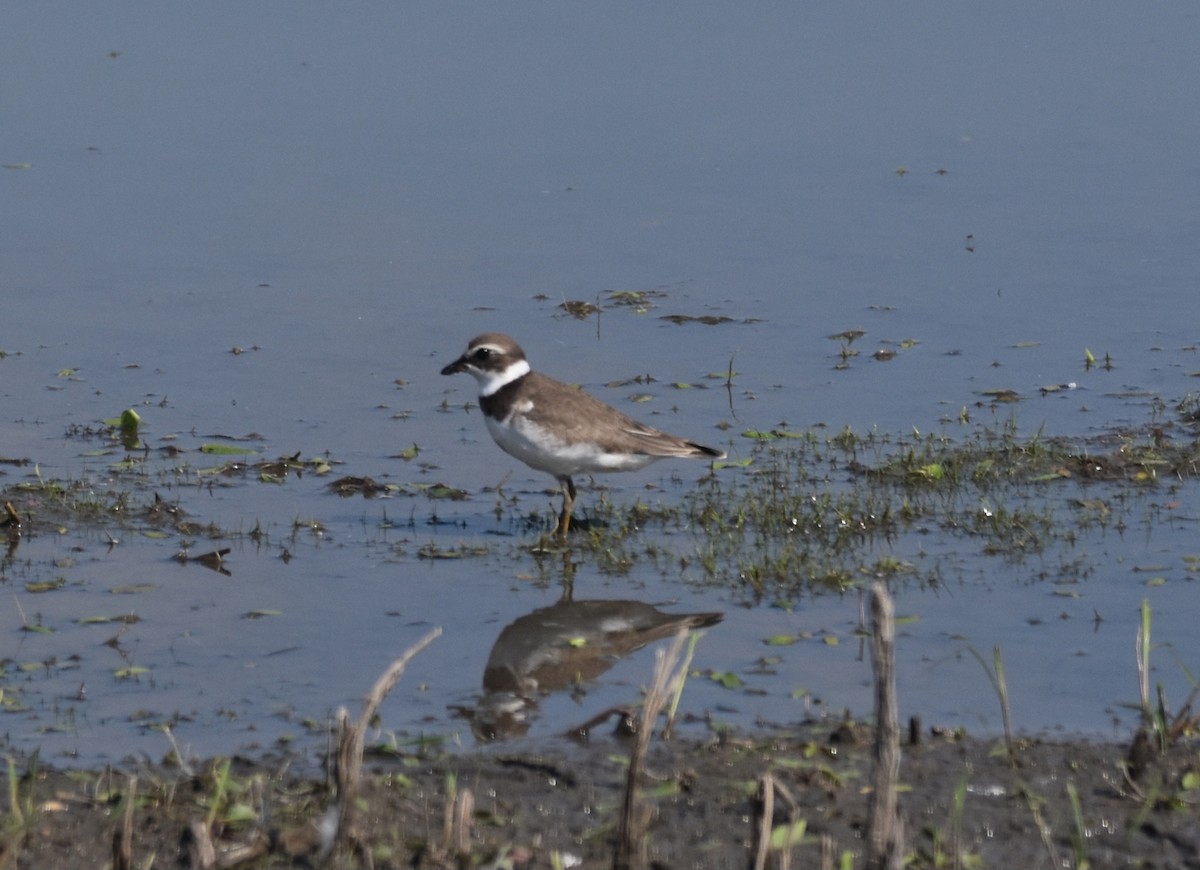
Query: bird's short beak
{"type": "Point", "coordinates": [459, 365]}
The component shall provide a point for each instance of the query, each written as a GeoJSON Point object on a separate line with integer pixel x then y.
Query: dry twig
{"type": "Point", "coordinates": [885, 841]}
{"type": "Point", "coordinates": [123, 836]}
{"type": "Point", "coordinates": [349, 757]}
{"type": "Point", "coordinates": [667, 675]}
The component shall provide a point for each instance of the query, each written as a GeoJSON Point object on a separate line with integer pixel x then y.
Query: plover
{"type": "Point", "coordinates": [556, 428]}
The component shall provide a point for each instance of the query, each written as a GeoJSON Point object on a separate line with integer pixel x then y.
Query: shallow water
{"type": "Point", "coordinates": [346, 196]}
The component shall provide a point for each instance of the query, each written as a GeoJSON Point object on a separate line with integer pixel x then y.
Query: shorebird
{"type": "Point", "coordinates": [556, 428]}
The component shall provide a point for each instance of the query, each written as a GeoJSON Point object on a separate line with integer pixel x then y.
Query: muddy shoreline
{"type": "Point", "coordinates": [963, 802]}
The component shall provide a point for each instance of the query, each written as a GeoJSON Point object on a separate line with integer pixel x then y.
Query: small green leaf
{"type": "Point", "coordinates": [240, 813]}
{"type": "Point", "coordinates": [830, 640]}
{"type": "Point", "coordinates": [10, 704]}
{"type": "Point", "coordinates": [130, 672]}
{"type": "Point", "coordinates": [726, 679]}
{"type": "Point", "coordinates": [932, 471]}
{"type": "Point", "coordinates": [442, 491]}
{"type": "Point", "coordinates": [734, 463]}
{"type": "Point", "coordinates": [125, 619]}
{"type": "Point", "coordinates": [781, 640]}
{"type": "Point", "coordinates": [786, 836]}
{"type": "Point", "coordinates": [37, 587]}
{"type": "Point", "coordinates": [226, 450]}
{"type": "Point", "coordinates": [259, 614]}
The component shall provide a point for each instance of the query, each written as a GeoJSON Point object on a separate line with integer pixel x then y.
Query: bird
{"type": "Point", "coordinates": [556, 428]}
{"type": "Point", "coordinates": [562, 647]}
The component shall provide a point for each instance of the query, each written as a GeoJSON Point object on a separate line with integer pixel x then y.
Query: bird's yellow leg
{"type": "Point", "coordinates": [564, 519]}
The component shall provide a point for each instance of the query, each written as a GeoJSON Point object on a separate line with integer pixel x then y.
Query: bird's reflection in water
{"type": "Point", "coordinates": [561, 647]}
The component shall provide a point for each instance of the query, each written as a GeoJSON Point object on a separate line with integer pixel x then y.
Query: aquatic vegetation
{"type": "Point", "coordinates": [804, 511]}
{"type": "Point", "coordinates": [794, 513]}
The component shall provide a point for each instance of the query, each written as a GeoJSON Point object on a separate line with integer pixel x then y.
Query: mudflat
{"type": "Point", "coordinates": [963, 802]}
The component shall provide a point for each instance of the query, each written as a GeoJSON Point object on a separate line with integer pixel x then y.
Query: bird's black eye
{"type": "Point", "coordinates": [482, 353]}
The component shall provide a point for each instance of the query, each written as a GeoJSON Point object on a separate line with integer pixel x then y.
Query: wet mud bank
{"type": "Point", "coordinates": [963, 802]}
